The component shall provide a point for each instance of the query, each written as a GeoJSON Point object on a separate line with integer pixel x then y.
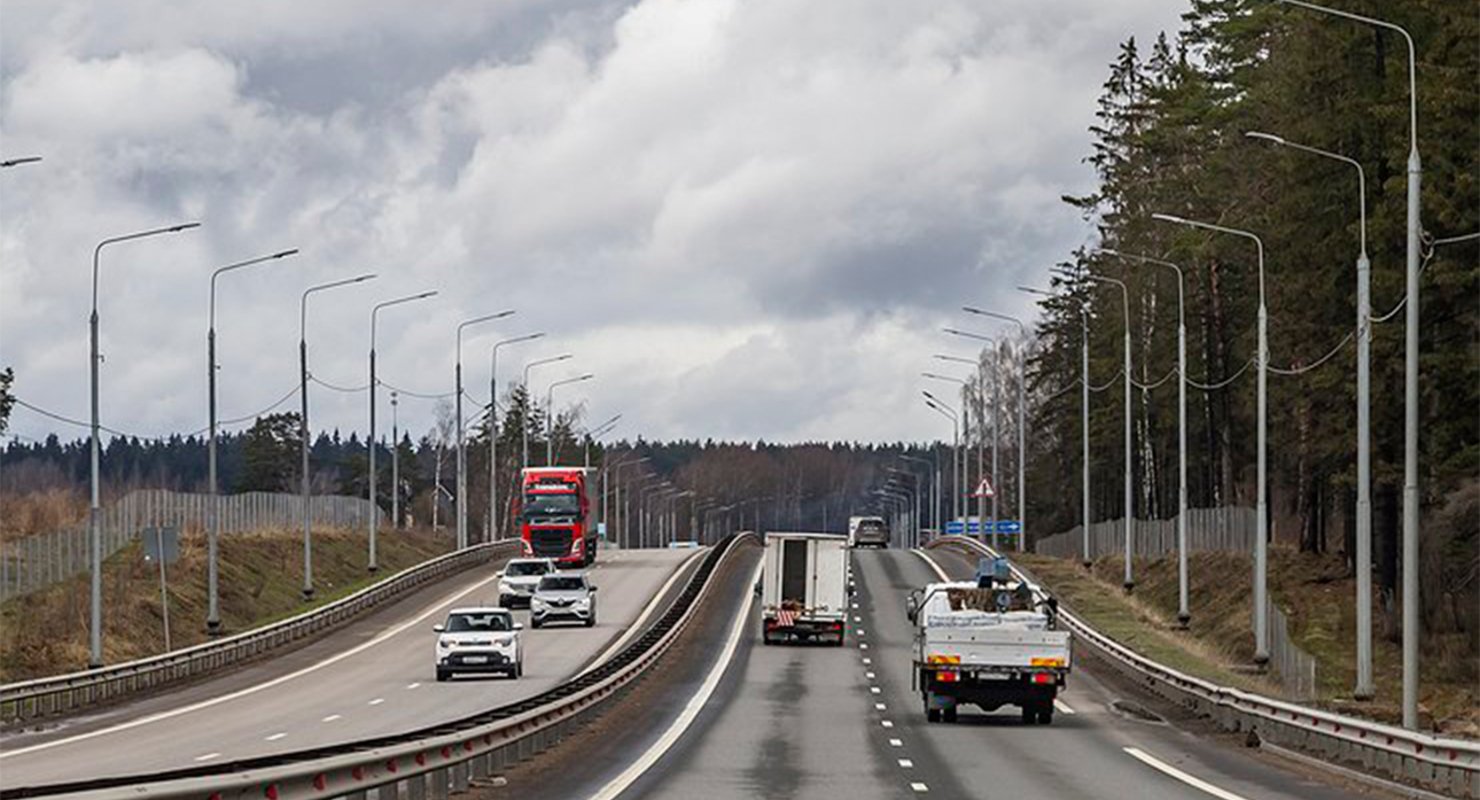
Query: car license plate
{"type": "Point", "coordinates": [475, 659]}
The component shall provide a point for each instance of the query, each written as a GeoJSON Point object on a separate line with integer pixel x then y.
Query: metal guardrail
{"type": "Point", "coordinates": [45, 697]}
{"type": "Point", "coordinates": [426, 763]}
{"type": "Point", "coordinates": [1442, 764]}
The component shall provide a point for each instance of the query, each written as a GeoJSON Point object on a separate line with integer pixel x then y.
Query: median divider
{"type": "Point", "coordinates": [430, 762]}
{"type": "Point", "coordinates": [1439, 763]}
{"type": "Point", "coordinates": [26, 701]}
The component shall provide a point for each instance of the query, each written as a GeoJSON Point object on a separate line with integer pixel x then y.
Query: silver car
{"type": "Point", "coordinates": [518, 579]}
{"type": "Point", "coordinates": [563, 597]}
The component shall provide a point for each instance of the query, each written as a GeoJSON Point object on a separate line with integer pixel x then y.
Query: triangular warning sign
{"type": "Point", "coordinates": [984, 489]}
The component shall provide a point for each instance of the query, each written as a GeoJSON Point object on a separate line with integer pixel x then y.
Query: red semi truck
{"type": "Point", "coordinates": [554, 513]}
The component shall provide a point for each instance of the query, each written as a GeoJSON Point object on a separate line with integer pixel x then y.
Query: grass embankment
{"type": "Point", "coordinates": [1317, 597]}
{"type": "Point", "coordinates": [261, 575]}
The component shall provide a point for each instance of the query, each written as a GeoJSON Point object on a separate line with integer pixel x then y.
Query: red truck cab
{"type": "Point", "coordinates": [554, 510]}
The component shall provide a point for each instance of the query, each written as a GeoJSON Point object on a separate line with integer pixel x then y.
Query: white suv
{"type": "Point", "coordinates": [563, 596]}
{"type": "Point", "coordinates": [479, 640]}
{"type": "Point", "coordinates": [518, 579]}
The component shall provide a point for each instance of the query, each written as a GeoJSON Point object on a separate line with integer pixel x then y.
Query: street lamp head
{"type": "Point", "coordinates": [1268, 137]}
{"type": "Point", "coordinates": [1170, 218]}
{"type": "Point", "coordinates": [285, 253]}
{"type": "Point", "coordinates": [184, 226]}
{"type": "Point", "coordinates": [12, 162]}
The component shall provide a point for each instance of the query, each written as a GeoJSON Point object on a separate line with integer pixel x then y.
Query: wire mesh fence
{"type": "Point", "coordinates": [36, 562]}
{"type": "Point", "coordinates": [1295, 667]}
{"type": "Point", "coordinates": [1230, 528]}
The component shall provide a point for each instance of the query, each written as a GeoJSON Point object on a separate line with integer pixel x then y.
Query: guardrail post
{"type": "Point", "coordinates": [416, 787]}
{"type": "Point", "coordinates": [440, 779]}
{"type": "Point", "coordinates": [459, 777]}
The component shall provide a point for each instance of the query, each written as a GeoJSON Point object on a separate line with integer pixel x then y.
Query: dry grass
{"type": "Point", "coordinates": [1317, 597]}
{"type": "Point", "coordinates": [45, 511]}
{"type": "Point", "coordinates": [45, 633]}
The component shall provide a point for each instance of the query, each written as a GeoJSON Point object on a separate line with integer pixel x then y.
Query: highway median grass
{"type": "Point", "coordinates": [261, 576]}
{"type": "Point", "coordinates": [1316, 595]}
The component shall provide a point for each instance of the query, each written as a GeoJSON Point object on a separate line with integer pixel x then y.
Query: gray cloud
{"type": "Point", "coordinates": [749, 218]}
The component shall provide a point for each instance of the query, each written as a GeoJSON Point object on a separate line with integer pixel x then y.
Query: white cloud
{"type": "Point", "coordinates": [749, 218]}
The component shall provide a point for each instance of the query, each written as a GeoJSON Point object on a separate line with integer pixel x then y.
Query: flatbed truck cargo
{"type": "Point", "coordinates": [988, 643]}
{"type": "Point", "coordinates": [804, 588]}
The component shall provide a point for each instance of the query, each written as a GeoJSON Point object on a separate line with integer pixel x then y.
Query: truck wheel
{"type": "Point", "coordinates": [1045, 716]}
{"type": "Point", "coordinates": [1030, 714]}
{"type": "Point", "coordinates": [948, 714]}
{"type": "Point", "coordinates": [932, 715]}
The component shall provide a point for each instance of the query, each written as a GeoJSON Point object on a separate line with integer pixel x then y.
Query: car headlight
{"type": "Point", "coordinates": [535, 601]}
{"type": "Point", "coordinates": [446, 643]}
{"type": "Point", "coordinates": [504, 641]}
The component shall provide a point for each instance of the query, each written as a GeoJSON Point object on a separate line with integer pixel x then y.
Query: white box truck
{"type": "Point", "coordinates": [804, 588]}
{"type": "Point", "coordinates": [989, 643]}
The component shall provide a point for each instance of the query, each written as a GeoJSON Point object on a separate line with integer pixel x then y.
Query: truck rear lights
{"type": "Point", "coordinates": [936, 658]}
{"type": "Point", "coordinates": [1043, 677]}
{"type": "Point", "coordinates": [947, 676]}
{"type": "Point", "coordinates": [1046, 662]}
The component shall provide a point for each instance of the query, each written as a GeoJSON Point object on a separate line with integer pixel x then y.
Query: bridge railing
{"type": "Point", "coordinates": [1443, 764]}
{"type": "Point", "coordinates": [25, 701]}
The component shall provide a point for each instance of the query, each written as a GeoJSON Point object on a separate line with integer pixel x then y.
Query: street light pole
{"type": "Point", "coordinates": [95, 634]}
{"type": "Point", "coordinates": [213, 536]}
{"type": "Point", "coordinates": [462, 451]}
{"type": "Point", "coordinates": [395, 464]}
{"type": "Point", "coordinates": [373, 477]}
{"type": "Point", "coordinates": [1261, 545]}
{"type": "Point", "coordinates": [1365, 690]}
{"type": "Point", "coordinates": [1184, 614]}
{"type": "Point", "coordinates": [926, 463]}
{"type": "Point", "coordinates": [303, 430]}
{"type": "Point", "coordinates": [1022, 426]}
{"type": "Point", "coordinates": [550, 415]}
{"type": "Point", "coordinates": [1410, 378]}
{"type": "Point", "coordinates": [950, 413]}
{"type": "Point", "coordinates": [495, 519]}
{"type": "Point", "coordinates": [529, 404]}
{"type": "Point", "coordinates": [957, 465]}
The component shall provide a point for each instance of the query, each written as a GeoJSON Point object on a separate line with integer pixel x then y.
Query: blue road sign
{"type": "Point", "coordinates": [1009, 526]}
{"type": "Point", "coordinates": [955, 527]}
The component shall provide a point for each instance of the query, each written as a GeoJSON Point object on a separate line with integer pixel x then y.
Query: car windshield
{"type": "Point", "coordinates": [551, 505]}
{"type": "Point", "coordinates": [527, 568]}
{"type": "Point", "coordinates": [491, 622]}
{"type": "Point", "coordinates": [562, 583]}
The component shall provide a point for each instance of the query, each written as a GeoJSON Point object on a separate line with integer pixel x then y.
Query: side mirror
{"type": "Point", "coordinates": [498, 574]}
{"type": "Point", "coordinates": [439, 627]}
{"type": "Point", "coordinates": [593, 589]}
{"type": "Point", "coordinates": [912, 607]}
{"type": "Point", "coordinates": [518, 626]}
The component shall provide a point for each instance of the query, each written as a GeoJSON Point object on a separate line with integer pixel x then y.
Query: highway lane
{"type": "Point", "coordinates": [823, 722]}
{"type": "Point", "coordinates": [322, 697]}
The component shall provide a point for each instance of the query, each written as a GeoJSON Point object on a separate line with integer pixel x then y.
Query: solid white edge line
{"type": "Point", "coordinates": [1191, 780]}
{"type": "Point", "coordinates": [647, 611]}
{"type": "Point", "coordinates": [249, 690]}
{"type": "Point", "coordinates": [676, 730]}
{"type": "Point", "coordinates": [1062, 706]}
{"type": "Point", "coordinates": [928, 560]}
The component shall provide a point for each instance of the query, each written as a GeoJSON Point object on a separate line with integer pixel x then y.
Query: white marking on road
{"type": "Point", "coordinates": [690, 711]}
{"type": "Point", "coordinates": [905, 763]}
{"type": "Point", "coordinates": [1191, 780]}
{"type": "Point", "coordinates": [332, 717]}
{"type": "Point", "coordinates": [413, 685]}
{"type": "Point", "coordinates": [896, 743]}
{"type": "Point", "coordinates": [207, 756]}
{"type": "Point", "coordinates": [879, 707]}
{"type": "Point", "coordinates": [868, 675]}
{"type": "Point", "coordinates": [886, 723]}
{"type": "Point", "coordinates": [647, 611]}
{"type": "Point", "coordinates": [857, 618]}
{"type": "Point", "coordinates": [874, 689]}
{"type": "Point", "coordinates": [377, 701]}
{"type": "Point", "coordinates": [855, 605]}
{"type": "Point", "coordinates": [919, 787]}
{"type": "Point", "coordinates": [431, 611]}
{"type": "Point", "coordinates": [863, 645]}
{"type": "Point", "coordinates": [928, 560]}
{"type": "Point", "coordinates": [867, 661]}
{"type": "Point", "coordinates": [1062, 706]}
{"type": "Point", "coordinates": [275, 736]}
{"type": "Point", "coordinates": [861, 631]}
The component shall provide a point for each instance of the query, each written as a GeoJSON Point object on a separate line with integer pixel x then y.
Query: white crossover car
{"type": "Point", "coordinates": [479, 640]}
{"type": "Point", "coordinates": [518, 579]}
{"type": "Point", "coordinates": [563, 597]}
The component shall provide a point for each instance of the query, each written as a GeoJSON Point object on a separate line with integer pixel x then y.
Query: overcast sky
{"type": "Point", "coordinates": [748, 218]}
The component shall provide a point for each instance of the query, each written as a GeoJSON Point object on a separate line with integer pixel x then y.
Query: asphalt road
{"type": "Point", "coordinates": [823, 722]}
{"type": "Point", "coordinates": [374, 677]}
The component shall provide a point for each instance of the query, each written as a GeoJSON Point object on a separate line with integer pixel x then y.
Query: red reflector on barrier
{"type": "Point", "coordinates": [271, 792]}
{"type": "Point", "coordinates": [319, 782]}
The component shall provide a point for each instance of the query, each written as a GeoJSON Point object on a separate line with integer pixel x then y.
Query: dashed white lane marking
{"type": "Point", "coordinates": [275, 736]}
{"type": "Point", "coordinates": [207, 756]}
{"type": "Point", "coordinates": [868, 661]}
{"type": "Point", "coordinates": [905, 763]}
{"type": "Point", "coordinates": [857, 618]}
{"type": "Point", "coordinates": [919, 787]}
{"type": "Point", "coordinates": [863, 645]}
{"type": "Point", "coordinates": [873, 689]}
{"type": "Point", "coordinates": [880, 707]}
{"type": "Point", "coordinates": [690, 711]}
{"type": "Point", "coordinates": [855, 605]}
{"type": "Point", "coordinates": [896, 743]}
{"type": "Point", "coordinates": [886, 723]}
{"type": "Point", "coordinates": [413, 685]}
{"type": "Point", "coordinates": [332, 717]}
{"type": "Point", "coordinates": [868, 675]}
{"type": "Point", "coordinates": [435, 608]}
{"type": "Point", "coordinates": [377, 701]}
{"type": "Point", "coordinates": [1062, 706]}
{"type": "Point", "coordinates": [1191, 780]}
{"type": "Point", "coordinates": [861, 631]}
